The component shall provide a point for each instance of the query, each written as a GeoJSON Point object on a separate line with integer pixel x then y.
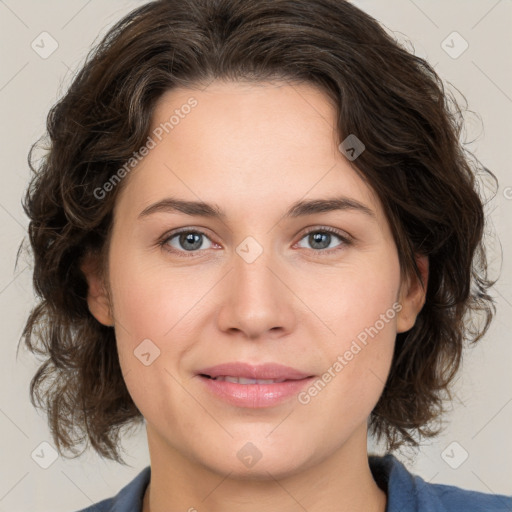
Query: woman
{"type": "Point", "coordinates": [256, 232]}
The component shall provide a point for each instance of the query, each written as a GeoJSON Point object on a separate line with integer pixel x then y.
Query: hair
{"type": "Point", "coordinates": [392, 100]}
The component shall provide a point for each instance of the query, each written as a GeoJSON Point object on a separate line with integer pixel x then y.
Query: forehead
{"type": "Point", "coordinates": [233, 142]}
{"type": "Point", "coordinates": [259, 119]}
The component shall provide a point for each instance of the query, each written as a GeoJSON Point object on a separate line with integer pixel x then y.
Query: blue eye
{"type": "Point", "coordinates": [189, 242]}
{"type": "Point", "coordinates": [320, 239]}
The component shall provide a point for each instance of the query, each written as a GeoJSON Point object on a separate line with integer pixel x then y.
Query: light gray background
{"type": "Point", "coordinates": [480, 421]}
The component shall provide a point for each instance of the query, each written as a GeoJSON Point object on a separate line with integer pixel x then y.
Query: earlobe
{"type": "Point", "coordinates": [97, 296]}
{"type": "Point", "coordinates": [413, 296]}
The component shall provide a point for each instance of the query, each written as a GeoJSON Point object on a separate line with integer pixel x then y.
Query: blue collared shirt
{"type": "Point", "coordinates": [406, 493]}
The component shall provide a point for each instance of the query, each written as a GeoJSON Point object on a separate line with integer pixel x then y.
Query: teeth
{"type": "Point", "coordinates": [243, 380]}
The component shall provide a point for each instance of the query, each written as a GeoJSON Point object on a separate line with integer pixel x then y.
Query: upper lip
{"type": "Point", "coordinates": [249, 371]}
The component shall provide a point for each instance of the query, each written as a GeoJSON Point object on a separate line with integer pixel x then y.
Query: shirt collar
{"type": "Point", "coordinates": [404, 490]}
{"type": "Point", "coordinates": [129, 498]}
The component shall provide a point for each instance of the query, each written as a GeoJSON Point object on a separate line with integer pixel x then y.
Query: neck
{"type": "Point", "coordinates": [343, 481]}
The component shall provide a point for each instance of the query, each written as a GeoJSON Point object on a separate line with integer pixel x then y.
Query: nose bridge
{"type": "Point", "coordinates": [251, 266]}
{"type": "Point", "coordinates": [257, 300]}
{"type": "Point", "coordinates": [255, 285]}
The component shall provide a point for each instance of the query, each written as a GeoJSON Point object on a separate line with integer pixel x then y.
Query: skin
{"type": "Point", "coordinates": [254, 150]}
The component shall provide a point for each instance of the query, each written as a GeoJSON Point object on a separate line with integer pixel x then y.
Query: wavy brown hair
{"type": "Point", "coordinates": [414, 160]}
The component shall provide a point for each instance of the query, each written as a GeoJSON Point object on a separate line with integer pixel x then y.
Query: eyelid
{"type": "Point", "coordinates": [167, 236]}
{"type": "Point", "coordinates": [321, 228]}
{"type": "Point", "coordinates": [345, 237]}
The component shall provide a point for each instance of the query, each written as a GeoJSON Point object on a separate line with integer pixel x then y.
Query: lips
{"type": "Point", "coordinates": [245, 373]}
{"type": "Point", "coordinates": [253, 386]}
{"type": "Point", "coordinates": [243, 380]}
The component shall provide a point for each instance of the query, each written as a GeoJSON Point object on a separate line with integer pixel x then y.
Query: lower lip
{"type": "Point", "coordinates": [255, 395]}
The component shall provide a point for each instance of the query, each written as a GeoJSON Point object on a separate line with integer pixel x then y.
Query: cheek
{"type": "Point", "coordinates": [361, 294]}
{"type": "Point", "coordinates": [152, 310]}
{"type": "Point", "coordinates": [150, 300]}
{"type": "Point", "coordinates": [162, 306]}
{"type": "Point", "coordinates": [354, 376]}
{"type": "Point", "coordinates": [359, 306]}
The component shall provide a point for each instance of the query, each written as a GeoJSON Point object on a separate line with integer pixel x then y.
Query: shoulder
{"type": "Point", "coordinates": [128, 499]}
{"type": "Point", "coordinates": [455, 498]}
{"type": "Point", "coordinates": [102, 506]}
{"type": "Point", "coordinates": [407, 491]}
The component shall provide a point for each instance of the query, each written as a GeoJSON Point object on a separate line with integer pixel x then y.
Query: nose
{"type": "Point", "coordinates": [257, 300]}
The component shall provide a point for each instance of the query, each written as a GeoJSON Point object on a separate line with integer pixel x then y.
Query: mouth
{"type": "Point", "coordinates": [247, 373]}
{"type": "Point", "coordinates": [244, 380]}
{"type": "Point", "coordinates": [252, 393]}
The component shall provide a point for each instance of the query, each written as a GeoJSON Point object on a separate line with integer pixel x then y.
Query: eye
{"type": "Point", "coordinates": [185, 241]}
{"type": "Point", "coordinates": [188, 242]}
{"type": "Point", "coordinates": [321, 238]}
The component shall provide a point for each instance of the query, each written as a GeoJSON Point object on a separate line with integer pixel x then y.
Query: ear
{"type": "Point", "coordinates": [412, 296]}
{"type": "Point", "coordinates": [97, 297]}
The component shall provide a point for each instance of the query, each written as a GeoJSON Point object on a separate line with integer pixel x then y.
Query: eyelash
{"type": "Point", "coordinates": [347, 241]}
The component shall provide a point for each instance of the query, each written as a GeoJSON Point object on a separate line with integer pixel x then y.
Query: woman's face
{"type": "Point", "coordinates": [261, 281]}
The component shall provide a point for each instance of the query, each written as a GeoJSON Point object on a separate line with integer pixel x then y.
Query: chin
{"type": "Point", "coordinates": [259, 459]}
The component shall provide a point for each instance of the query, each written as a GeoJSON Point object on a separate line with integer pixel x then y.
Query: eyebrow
{"type": "Point", "coordinates": [298, 209]}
